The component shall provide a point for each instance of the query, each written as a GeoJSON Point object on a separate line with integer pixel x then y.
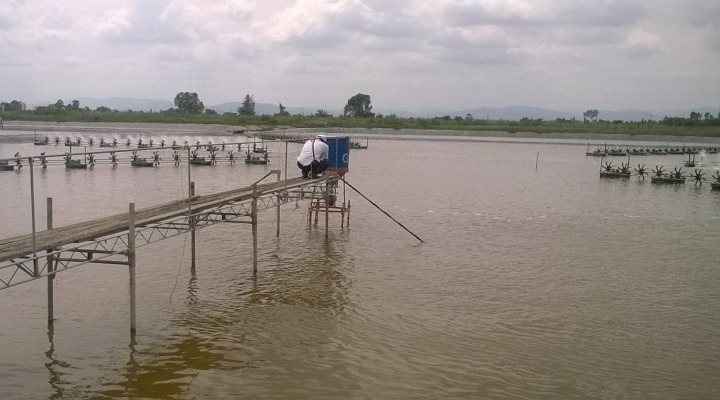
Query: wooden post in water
{"type": "Point", "coordinates": [253, 216]}
{"type": "Point", "coordinates": [191, 221]}
{"type": "Point", "coordinates": [50, 266]}
{"type": "Point", "coordinates": [286, 163]}
{"type": "Point", "coordinates": [36, 266]}
{"type": "Point", "coordinates": [131, 265]}
{"type": "Point", "coordinates": [277, 230]}
{"type": "Point", "coordinates": [327, 206]}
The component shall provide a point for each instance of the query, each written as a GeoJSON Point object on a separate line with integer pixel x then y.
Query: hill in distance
{"type": "Point", "coordinates": [125, 104]}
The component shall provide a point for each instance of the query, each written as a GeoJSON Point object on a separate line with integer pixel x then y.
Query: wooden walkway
{"type": "Point", "coordinates": [22, 246]}
{"type": "Point", "coordinates": [112, 240]}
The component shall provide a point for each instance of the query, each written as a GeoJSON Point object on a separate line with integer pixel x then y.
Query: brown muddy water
{"type": "Point", "coordinates": [533, 282]}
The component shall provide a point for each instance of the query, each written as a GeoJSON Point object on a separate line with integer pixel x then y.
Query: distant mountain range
{"type": "Point", "coordinates": [489, 113]}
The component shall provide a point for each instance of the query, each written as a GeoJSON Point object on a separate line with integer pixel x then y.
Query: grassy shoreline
{"type": "Point", "coordinates": [27, 129]}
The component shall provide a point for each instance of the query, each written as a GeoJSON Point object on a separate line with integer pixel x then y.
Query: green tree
{"type": "Point", "coordinates": [591, 114]}
{"type": "Point", "coordinates": [359, 106]}
{"type": "Point", "coordinates": [322, 114]}
{"type": "Point", "coordinates": [248, 106]}
{"type": "Point", "coordinates": [15, 105]}
{"type": "Point", "coordinates": [282, 112]}
{"type": "Point", "coordinates": [189, 103]}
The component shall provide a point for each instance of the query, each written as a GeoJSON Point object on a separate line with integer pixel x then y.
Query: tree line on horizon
{"type": "Point", "coordinates": [187, 102]}
{"type": "Point", "coordinates": [358, 105]}
{"type": "Point", "coordinates": [189, 108]}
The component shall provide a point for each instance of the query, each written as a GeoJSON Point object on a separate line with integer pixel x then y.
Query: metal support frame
{"type": "Point", "coordinates": [132, 259]}
{"type": "Point", "coordinates": [108, 249]}
{"type": "Point", "coordinates": [51, 271]}
{"type": "Point", "coordinates": [277, 224]}
{"type": "Point", "coordinates": [36, 267]}
{"type": "Point", "coordinates": [320, 201]}
{"type": "Point", "coordinates": [191, 220]}
{"type": "Point", "coordinates": [254, 218]}
{"type": "Point", "coordinates": [327, 205]}
{"type": "Point", "coordinates": [192, 225]}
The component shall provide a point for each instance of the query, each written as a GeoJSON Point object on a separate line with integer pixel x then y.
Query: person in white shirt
{"type": "Point", "coordinates": [313, 158]}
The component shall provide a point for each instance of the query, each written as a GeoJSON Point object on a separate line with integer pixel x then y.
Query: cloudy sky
{"type": "Point", "coordinates": [407, 55]}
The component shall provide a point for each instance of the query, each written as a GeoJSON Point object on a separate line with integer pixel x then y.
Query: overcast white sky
{"type": "Point", "coordinates": [407, 55]}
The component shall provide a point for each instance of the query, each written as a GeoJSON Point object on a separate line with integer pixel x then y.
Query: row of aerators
{"type": "Point", "coordinates": [648, 150]}
{"type": "Point", "coordinates": [253, 155]}
{"type": "Point", "coordinates": [339, 148]}
{"type": "Point", "coordinates": [658, 175]}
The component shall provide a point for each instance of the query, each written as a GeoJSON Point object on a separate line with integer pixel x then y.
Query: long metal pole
{"type": "Point", "coordinates": [381, 210]}
{"type": "Point", "coordinates": [286, 163]}
{"type": "Point", "coordinates": [131, 264]}
{"type": "Point", "coordinates": [277, 232]}
{"type": "Point", "coordinates": [192, 229]}
{"type": "Point", "coordinates": [253, 216]}
{"type": "Point", "coordinates": [36, 266]}
{"type": "Point", "coordinates": [191, 220]}
{"type": "Point", "coordinates": [50, 266]}
{"type": "Point", "coordinates": [342, 210]}
{"type": "Point", "coordinates": [189, 182]}
{"type": "Point", "coordinates": [327, 206]}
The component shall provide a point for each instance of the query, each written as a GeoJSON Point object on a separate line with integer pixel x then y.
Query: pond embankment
{"type": "Point", "coordinates": [25, 130]}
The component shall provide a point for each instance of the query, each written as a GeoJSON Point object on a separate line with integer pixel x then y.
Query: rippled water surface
{"type": "Point", "coordinates": [537, 279]}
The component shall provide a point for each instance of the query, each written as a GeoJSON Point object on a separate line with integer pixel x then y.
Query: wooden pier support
{"type": "Point", "coordinates": [191, 221]}
{"type": "Point", "coordinates": [254, 217]}
{"type": "Point", "coordinates": [327, 207]}
{"type": "Point", "coordinates": [131, 267]}
{"type": "Point", "coordinates": [50, 267]}
{"type": "Point", "coordinates": [87, 242]}
{"type": "Point", "coordinates": [327, 204]}
{"type": "Point", "coordinates": [279, 200]}
{"type": "Point", "coordinates": [36, 265]}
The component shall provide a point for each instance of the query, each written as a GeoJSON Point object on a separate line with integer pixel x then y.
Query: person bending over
{"type": "Point", "coordinates": [313, 158]}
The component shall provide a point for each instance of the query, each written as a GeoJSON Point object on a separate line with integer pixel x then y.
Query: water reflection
{"type": "Point", "coordinates": [162, 374]}
{"type": "Point", "coordinates": [244, 327]}
{"type": "Point", "coordinates": [192, 297]}
{"type": "Point", "coordinates": [55, 366]}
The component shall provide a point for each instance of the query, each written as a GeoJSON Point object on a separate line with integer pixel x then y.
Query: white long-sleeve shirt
{"type": "Point", "coordinates": [306, 154]}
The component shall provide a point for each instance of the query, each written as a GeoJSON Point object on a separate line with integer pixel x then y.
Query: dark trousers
{"type": "Point", "coordinates": [316, 167]}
